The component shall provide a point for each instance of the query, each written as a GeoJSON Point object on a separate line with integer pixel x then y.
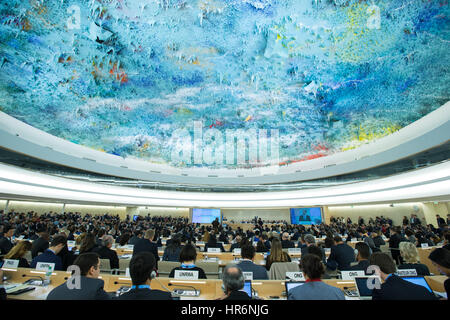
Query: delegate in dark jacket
{"type": "Point", "coordinates": [395, 288]}
{"type": "Point", "coordinates": [238, 295]}
{"type": "Point", "coordinates": [106, 253]}
{"type": "Point", "coordinates": [50, 257]}
{"type": "Point", "coordinates": [361, 266]}
{"type": "Point", "coordinates": [340, 257]}
{"type": "Point", "coordinates": [145, 294]}
{"type": "Point", "coordinates": [259, 272]}
{"type": "Point", "coordinates": [201, 272]}
{"type": "Point", "coordinates": [5, 245]}
{"type": "Point", "coordinates": [39, 245]}
{"type": "Point", "coordinates": [422, 270]}
{"type": "Point", "coordinates": [145, 245]}
{"type": "Point", "coordinates": [90, 289]}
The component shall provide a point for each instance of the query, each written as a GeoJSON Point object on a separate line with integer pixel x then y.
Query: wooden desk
{"type": "Point", "coordinates": [210, 289]}
{"type": "Point", "coordinates": [423, 256]}
{"type": "Point", "coordinates": [436, 282]}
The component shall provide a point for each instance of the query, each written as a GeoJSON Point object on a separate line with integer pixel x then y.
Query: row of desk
{"type": "Point", "coordinates": [210, 289]}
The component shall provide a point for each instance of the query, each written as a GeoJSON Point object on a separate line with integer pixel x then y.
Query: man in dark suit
{"type": "Point", "coordinates": [135, 238]}
{"type": "Point", "coordinates": [40, 244]}
{"type": "Point", "coordinates": [440, 221]}
{"type": "Point", "coordinates": [394, 287]}
{"type": "Point", "coordinates": [142, 271]}
{"type": "Point", "coordinates": [6, 241]}
{"type": "Point", "coordinates": [237, 244]}
{"type": "Point", "coordinates": [50, 255]}
{"type": "Point", "coordinates": [247, 265]}
{"type": "Point", "coordinates": [311, 241]}
{"type": "Point", "coordinates": [105, 251]}
{"type": "Point", "coordinates": [285, 242]}
{"type": "Point", "coordinates": [362, 257]}
{"type": "Point", "coordinates": [147, 245]}
{"type": "Point", "coordinates": [394, 242]}
{"type": "Point", "coordinates": [85, 285]}
{"type": "Point", "coordinates": [304, 216]}
{"type": "Point", "coordinates": [341, 255]}
{"type": "Point", "coordinates": [233, 282]}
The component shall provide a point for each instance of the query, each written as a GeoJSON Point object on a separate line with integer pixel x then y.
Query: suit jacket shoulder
{"type": "Point", "coordinates": [145, 294]}
{"type": "Point", "coordinates": [90, 289]}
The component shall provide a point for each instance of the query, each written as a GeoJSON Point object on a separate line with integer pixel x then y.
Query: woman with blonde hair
{"type": "Point", "coordinates": [276, 254]}
{"type": "Point", "coordinates": [17, 253]}
{"type": "Point", "coordinates": [410, 255]}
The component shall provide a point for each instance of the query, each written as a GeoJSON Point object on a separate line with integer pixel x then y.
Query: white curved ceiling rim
{"type": "Point", "coordinates": [427, 184]}
{"type": "Point", "coordinates": [423, 134]}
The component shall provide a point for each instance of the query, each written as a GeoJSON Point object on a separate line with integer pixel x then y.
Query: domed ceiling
{"type": "Point", "coordinates": [145, 79]}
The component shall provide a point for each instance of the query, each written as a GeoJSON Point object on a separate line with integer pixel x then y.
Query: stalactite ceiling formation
{"type": "Point", "coordinates": [121, 76]}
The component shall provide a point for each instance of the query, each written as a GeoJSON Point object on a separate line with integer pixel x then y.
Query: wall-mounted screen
{"type": "Point", "coordinates": [200, 215]}
{"type": "Point", "coordinates": [306, 216]}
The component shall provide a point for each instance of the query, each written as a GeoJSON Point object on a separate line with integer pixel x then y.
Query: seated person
{"type": "Point", "coordinates": [173, 249]}
{"type": "Point", "coordinates": [261, 247]}
{"type": "Point", "coordinates": [40, 244]}
{"type": "Point", "coordinates": [85, 285]}
{"type": "Point", "coordinates": [17, 253]}
{"type": "Point", "coordinates": [233, 283]}
{"type": "Point", "coordinates": [188, 255]}
{"type": "Point", "coordinates": [285, 242]}
{"type": "Point", "coordinates": [362, 256]}
{"type": "Point", "coordinates": [6, 243]}
{"type": "Point", "coordinates": [142, 271]}
{"type": "Point", "coordinates": [50, 255]}
{"type": "Point", "coordinates": [276, 254]}
{"type": "Point", "coordinates": [341, 255]}
{"type": "Point", "coordinates": [247, 265]}
{"type": "Point", "coordinates": [411, 259]}
{"type": "Point", "coordinates": [314, 288]}
{"type": "Point", "coordinates": [394, 287]}
{"type": "Point", "coordinates": [440, 257]}
{"type": "Point", "coordinates": [212, 243]}
{"type": "Point", "coordinates": [236, 244]}
{"type": "Point", "coordinates": [309, 241]}
{"type": "Point", "coordinates": [318, 251]}
{"type": "Point", "coordinates": [105, 251]}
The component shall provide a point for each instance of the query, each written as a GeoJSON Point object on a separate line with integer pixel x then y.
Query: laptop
{"type": "Point", "coordinates": [248, 288]}
{"type": "Point", "coordinates": [362, 285]}
{"type": "Point", "coordinates": [421, 281]}
{"type": "Point", "coordinates": [292, 284]}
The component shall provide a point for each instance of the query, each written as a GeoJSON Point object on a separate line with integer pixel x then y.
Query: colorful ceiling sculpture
{"type": "Point", "coordinates": [321, 76]}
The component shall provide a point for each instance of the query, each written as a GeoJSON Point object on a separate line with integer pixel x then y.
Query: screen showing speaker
{"type": "Point", "coordinates": [306, 216]}
{"type": "Point", "coordinates": [200, 215]}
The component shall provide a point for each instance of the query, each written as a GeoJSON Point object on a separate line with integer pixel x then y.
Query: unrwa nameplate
{"type": "Point", "coordinates": [186, 274]}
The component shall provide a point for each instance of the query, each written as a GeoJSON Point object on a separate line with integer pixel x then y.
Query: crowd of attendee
{"type": "Point", "coordinates": [95, 235]}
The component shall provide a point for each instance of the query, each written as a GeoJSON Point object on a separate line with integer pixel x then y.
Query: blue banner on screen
{"type": "Point", "coordinates": [205, 215]}
{"type": "Point", "coordinates": [306, 215]}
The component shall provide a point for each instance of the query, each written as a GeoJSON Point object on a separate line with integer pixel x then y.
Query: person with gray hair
{"type": "Point", "coordinates": [311, 241]}
{"type": "Point", "coordinates": [105, 251]}
{"type": "Point", "coordinates": [233, 283]}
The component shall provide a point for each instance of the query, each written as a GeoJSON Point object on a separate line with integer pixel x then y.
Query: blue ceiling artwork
{"type": "Point", "coordinates": [122, 76]}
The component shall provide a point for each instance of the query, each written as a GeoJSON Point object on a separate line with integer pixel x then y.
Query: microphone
{"type": "Point", "coordinates": [197, 292]}
{"type": "Point", "coordinates": [36, 277]}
